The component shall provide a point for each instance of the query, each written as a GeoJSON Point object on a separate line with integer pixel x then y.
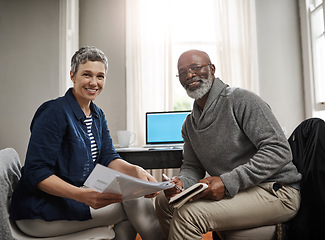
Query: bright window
{"type": "Point", "coordinates": [313, 43]}
{"type": "Point", "coordinates": [198, 33]}
{"type": "Point", "coordinates": [318, 50]}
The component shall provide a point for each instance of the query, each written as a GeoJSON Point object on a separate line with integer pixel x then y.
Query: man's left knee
{"type": "Point", "coordinates": [161, 203]}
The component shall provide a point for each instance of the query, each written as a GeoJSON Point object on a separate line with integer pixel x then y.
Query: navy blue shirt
{"type": "Point", "coordinates": [59, 145]}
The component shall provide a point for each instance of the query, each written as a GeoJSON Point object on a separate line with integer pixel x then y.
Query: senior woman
{"type": "Point", "coordinates": [69, 135]}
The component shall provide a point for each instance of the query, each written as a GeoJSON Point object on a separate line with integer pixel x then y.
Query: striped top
{"type": "Point", "coordinates": [93, 144]}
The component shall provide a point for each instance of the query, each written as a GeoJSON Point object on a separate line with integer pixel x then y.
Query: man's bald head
{"type": "Point", "coordinates": [196, 73]}
{"type": "Point", "coordinates": [193, 56]}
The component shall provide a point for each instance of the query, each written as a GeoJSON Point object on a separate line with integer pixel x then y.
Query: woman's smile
{"type": "Point", "coordinates": [88, 81]}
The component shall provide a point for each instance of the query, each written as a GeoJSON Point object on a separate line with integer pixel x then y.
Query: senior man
{"type": "Point", "coordinates": [233, 136]}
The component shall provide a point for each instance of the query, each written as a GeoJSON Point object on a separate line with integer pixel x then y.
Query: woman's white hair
{"type": "Point", "coordinates": [87, 53]}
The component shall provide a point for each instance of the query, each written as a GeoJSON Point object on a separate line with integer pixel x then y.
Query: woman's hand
{"type": "Point", "coordinates": [56, 186]}
{"type": "Point", "coordinates": [131, 170]}
{"type": "Point", "coordinates": [171, 192]}
{"type": "Point", "coordinates": [96, 199]}
{"type": "Point", "coordinates": [134, 171]}
{"type": "Point", "coordinates": [215, 190]}
{"type": "Point", "coordinates": [143, 174]}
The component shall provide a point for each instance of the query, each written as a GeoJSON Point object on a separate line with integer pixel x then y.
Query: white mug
{"type": "Point", "coordinates": [124, 138]}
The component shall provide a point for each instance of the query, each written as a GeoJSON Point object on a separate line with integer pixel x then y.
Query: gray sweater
{"type": "Point", "coordinates": [238, 138]}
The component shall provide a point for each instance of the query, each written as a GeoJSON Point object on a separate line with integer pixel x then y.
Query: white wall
{"type": "Point", "coordinates": [102, 24]}
{"type": "Point", "coordinates": [280, 60]}
{"type": "Point", "coordinates": [29, 65]}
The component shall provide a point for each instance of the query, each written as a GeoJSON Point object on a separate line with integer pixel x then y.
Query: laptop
{"type": "Point", "coordinates": [164, 129]}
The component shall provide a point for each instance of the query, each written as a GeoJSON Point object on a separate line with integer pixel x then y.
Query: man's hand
{"type": "Point", "coordinates": [215, 190]}
{"type": "Point", "coordinates": [169, 193]}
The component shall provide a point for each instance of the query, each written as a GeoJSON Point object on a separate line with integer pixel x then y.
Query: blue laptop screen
{"type": "Point", "coordinates": [164, 127]}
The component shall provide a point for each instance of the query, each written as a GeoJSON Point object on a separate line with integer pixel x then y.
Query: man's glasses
{"type": "Point", "coordinates": [193, 69]}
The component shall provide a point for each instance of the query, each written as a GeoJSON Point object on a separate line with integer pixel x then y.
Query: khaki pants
{"type": "Point", "coordinates": [129, 217]}
{"type": "Point", "coordinates": [252, 207]}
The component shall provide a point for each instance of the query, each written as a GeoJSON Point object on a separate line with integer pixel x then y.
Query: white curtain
{"type": "Point", "coordinates": [148, 62]}
{"type": "Point", "coordinates": [149, 50]}
{"type": "Point", "coordinates": [237, 50]}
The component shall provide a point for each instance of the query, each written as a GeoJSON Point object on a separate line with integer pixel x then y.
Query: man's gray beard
{"type": "Point", "coordinates": [203, 89]}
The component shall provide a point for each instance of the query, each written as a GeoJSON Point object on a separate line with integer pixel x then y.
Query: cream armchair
{"type": "Point", "coordinates": [9, 175]}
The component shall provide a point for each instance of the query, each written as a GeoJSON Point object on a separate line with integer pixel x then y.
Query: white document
{"type": "Point", "coordinates": [107, 180]}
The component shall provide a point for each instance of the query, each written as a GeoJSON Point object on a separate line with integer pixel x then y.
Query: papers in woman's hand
{"type": "Point", "coordinates": [106, 180]}
{"type": "Point", "coordinates": [180, 199]}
